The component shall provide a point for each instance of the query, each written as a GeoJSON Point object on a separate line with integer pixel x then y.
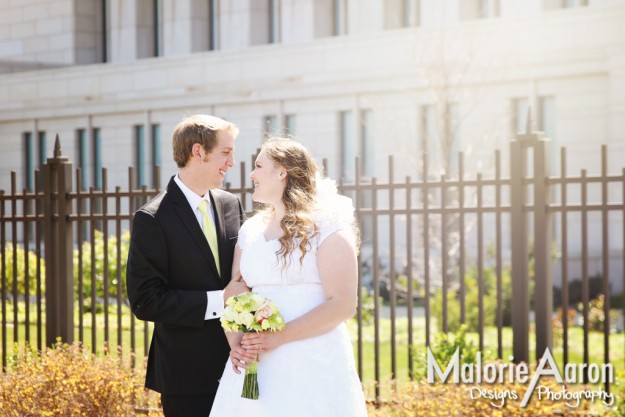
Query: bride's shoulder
{"type": "Point", "coordinates": [331, 218]}
{"type": "Point", "coordinates": [252, 222]}
{"type": "Point", "coordinates": [249, 228]}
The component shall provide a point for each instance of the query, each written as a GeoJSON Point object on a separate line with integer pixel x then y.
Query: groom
{"type": "Point", "coordinates": [179, 267]}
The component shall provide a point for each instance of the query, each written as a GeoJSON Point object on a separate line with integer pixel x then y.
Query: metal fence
{"type": "Point", "coordinates": [63, 254]}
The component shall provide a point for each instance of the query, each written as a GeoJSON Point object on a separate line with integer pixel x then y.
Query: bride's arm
{"type": "Point", "coordinates": [239, 356]}
{"type": "Point", "coordinates": [338, 270]}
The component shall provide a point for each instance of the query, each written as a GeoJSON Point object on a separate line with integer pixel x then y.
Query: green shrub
{"type": "Point", "coordinates": [99, 251]}
{"type": "Point", "coordinates": [471, 301]}
{"type": "Point", "coordinates": [443, 350]}
{"type": "Point", "coordinates": [368, 306]}
{"type": "Point", "coordinates": [596, 313]}
{"type": "Point", "coordinates": [11, 251]}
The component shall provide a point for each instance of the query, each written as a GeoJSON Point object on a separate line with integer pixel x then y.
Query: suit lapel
{"type": "Point", "coordinates": [220, 226]}
{"type": "Point", "coordinates": [187, 216]}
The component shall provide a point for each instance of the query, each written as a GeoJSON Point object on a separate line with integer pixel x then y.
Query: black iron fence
{"type": "Point", "coordinates": [436, 253]}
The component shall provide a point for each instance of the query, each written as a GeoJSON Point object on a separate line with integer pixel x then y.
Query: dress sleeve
{"type": "Point", "coordinates": [338, 217]}
{"type": "Point", "coordinates": [244, 233]}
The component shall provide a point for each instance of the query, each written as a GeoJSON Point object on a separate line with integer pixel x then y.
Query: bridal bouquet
{"type": "Point", "coordinates": [251, 312]}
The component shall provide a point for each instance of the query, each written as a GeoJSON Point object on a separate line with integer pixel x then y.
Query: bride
{"type": "Point", "coordinates": [300, 251]}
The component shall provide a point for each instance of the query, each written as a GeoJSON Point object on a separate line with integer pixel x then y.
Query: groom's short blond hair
{"type": "Point", "coordinates": [199, 128]}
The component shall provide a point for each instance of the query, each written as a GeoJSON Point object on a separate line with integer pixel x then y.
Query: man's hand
{"type": "Point", "coordinates": [236, 286]}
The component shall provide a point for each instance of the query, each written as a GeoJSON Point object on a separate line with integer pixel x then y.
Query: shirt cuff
{"type": "Point", "coordinates": [215, 305]}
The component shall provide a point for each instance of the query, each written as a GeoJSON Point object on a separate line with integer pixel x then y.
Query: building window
{"type": "Point", "coordinates": [140, 155]}
{"type": "Point", "coordinates": [339, 17]}
{"type": "Point", "coordinates": [83, 157]}
{"type": "Point", "coordinates": [96, 139]}
{"type": "Point", "coordinates": [274, 21]}
{"type": "Point", "coordinates": [401, 13]}
{"type": "Point", "coordinates": [42, 146]}
{"type": "Point", "coordinates": [147, 160]}
{"type": "Point", "coordinates": [265, 22]}
{"type": "Point", "coordinates": [366, 143]}
{"type": "Point", "coordinates": [518, 118]}
{"type": "Point", "coordinates": [149, 29]}
{"type": "Point", "coordinates": [156, 154]}
{"type": "Point", "coordinates": [352, 146]}
{"type": "Point", "coordinates": [440, 139]}
{"type": "Point", "coordinates": [29, 166]}
{"type": "Point", "coordinates": [349, 148]}
{"type": "Point", "coordinates": [323, 18]}
{"type": "Point", "coordinates": [546, 115]}
{"type": "Point", "coordinates": [289, 124]}
{"type": "Point", "coordinates": [411, 12]}
{"type": "Point", "coordinates": [158, 27]}
{"type": "Point", "coordinates": [479, 9]}
{"type": "Point", "coordinates": [563, 4]}
{"type": "Point", "coordinates": [452, 145]}
{"type": "Point", "coordinates": [270, 125]}
{"type": "Point", "coordinates": [429, 136]}
{"type": "Point", "coordinates": [213, 24]}
{"type": "Point", "coordinates": [103, 25]}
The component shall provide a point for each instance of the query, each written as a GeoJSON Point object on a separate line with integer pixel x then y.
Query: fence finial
{"type": "Point", "coordinates": [57, 147]}
{"type": "Point", "coordinates": [528, 125]}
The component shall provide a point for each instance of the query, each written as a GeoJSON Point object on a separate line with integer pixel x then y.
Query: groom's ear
{"type": "Point", "coordinates": [196, 150]}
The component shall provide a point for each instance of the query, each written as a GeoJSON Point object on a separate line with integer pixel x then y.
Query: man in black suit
{"type": "Point", "coordinates": [177, 279]}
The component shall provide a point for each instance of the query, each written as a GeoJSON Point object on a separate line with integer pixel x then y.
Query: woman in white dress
{"type": "Point", "coordinates": [300, 251]}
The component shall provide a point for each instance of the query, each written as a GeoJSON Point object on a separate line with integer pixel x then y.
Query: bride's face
{"type": "Point", "coordinates": [269, 180]}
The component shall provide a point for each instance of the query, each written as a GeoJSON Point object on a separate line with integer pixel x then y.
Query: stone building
{"type": "Point", "coordinates": [349, 77]}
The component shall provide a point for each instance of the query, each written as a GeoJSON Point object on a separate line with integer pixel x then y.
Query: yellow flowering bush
{"type": "Point", "coordinates": [68, 381]}
{"type": "Point", "coordinates": [423, 399]}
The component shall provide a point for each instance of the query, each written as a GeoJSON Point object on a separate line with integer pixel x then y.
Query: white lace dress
{"type": "Point", "coordinates": [314, 377]}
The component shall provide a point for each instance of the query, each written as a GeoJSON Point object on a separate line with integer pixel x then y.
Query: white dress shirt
{"type": "Point", "coordinates": [215, 305]}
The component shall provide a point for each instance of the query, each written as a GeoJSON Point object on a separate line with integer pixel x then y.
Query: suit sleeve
{"type": "Point", "coordinates": [149, 294]}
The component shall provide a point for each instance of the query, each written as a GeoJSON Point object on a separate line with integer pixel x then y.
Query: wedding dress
{"type": "Point", "coordinates": [314, 377]}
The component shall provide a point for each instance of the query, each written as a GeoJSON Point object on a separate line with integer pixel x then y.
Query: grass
{"type": "Point", "coordinates": [575, 350]}
{"type": "Point", "coordinates": [368, 372]}
{"type": "Point", "coordinates": [103, 341]}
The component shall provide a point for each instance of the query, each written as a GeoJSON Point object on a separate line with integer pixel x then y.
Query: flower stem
{"type": "Point", "coordinates": [250, 383]}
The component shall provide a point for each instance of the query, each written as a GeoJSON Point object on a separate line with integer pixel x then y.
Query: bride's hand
{"type": "Point", "coordinates": [241, 358]}
{"type": "Point", "coordinates": [261, 342]}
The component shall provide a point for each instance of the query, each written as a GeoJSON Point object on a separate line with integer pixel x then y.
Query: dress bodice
{"type": "Point", "coordinates": [295, 288]}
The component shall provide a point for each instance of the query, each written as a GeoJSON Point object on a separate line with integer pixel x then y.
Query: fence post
{"type": "Point", "coordinates": [543, 298]}
{"type": "Point", "coordinates": [543, 289]}
{"type": "Point", "coordinates": [57, 184]}
{"type": "Point", "coordinates": [518, 219]}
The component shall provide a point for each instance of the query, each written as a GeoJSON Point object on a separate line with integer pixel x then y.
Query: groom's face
{"type": "Point", "coordinates": [216, 163]}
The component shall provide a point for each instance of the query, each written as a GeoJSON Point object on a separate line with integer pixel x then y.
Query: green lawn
{"type": "Point", "coordinates": [617, 342]}
{"type": "Point", "coordinates": [576, 353]}
{"type": "Point", "coordinates": [142, 333]}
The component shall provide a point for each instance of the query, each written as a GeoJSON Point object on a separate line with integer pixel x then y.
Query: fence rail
{"type": "Point", "coordinates": [449, 247]}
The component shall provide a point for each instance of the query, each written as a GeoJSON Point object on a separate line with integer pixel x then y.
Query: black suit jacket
{"type": "Point", "coordinates": [170, 268]}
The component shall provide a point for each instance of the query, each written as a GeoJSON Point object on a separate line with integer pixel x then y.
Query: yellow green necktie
{"type": "Point", "coordinates": [208, 227]}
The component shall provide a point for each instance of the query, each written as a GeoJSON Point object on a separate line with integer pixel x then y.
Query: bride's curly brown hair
{"type": "Point", "coordinates": [299, 194]}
